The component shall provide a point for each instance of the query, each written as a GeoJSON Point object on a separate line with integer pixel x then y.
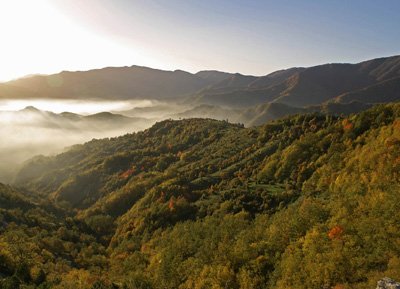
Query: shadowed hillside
{"type": "Point", "coordinates": [385, 91]}
{"type": "Point", "coordinates": [306, 86]}
{"type": "Point", "coordinates": [117, 83]}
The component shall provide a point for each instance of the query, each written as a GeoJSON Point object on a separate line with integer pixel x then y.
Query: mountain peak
{"type": "Point", "coordinates": [31, 109]}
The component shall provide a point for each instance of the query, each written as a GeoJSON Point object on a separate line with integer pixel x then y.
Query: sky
{"type": "Point", "coordinates": [247, 36]}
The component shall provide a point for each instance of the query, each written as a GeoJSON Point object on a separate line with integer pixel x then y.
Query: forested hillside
{"type": "Point", "coordinates": [309, 201]}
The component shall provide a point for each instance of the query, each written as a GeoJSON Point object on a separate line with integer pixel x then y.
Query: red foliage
{"type": "Point", "coordinates": [127, 173]}
{"type": "Point", "coordinates": [336, 232]}
{"type": "Point", "coordinates": [347, 125]}
{"type": "Point", "coordinates": [171, 204]}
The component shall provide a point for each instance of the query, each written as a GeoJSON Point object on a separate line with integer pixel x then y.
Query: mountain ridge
{"type": "Point", "coordinates": [178, 93]}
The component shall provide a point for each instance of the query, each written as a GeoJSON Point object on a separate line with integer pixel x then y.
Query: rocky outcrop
{"type": "Point", "coordinates": [387, 283]}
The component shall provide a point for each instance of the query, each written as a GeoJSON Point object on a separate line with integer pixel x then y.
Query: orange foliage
{"type": "Point", "coordinates": [392, 142]}
{"type": "Point", "coordinates": [347, 125]}
{"type": "Point", "coordinates": [338, 286]}
{"type": "Point", "coordinates": [336, 232]}
{"type": "Point", "coordinates": [171, 204]}
{"type": "Point", "coordinates": [128, 173]}
{"type": "Point", "coordinates": [396, 124]}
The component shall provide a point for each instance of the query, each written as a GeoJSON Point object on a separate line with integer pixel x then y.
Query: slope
{"type": "Point", "coordinates": [203, 203]}
{"type": "Point", "coordinates": [382, 92]}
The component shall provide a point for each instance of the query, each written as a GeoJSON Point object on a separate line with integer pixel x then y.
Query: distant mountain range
{"type": "Point", "coordinates": [133, 82]}
{"type": "Point", "coordinates": [221, 95]}
{"type": "Point", "coordinates": [310, 86]}
{"type": "Point", "coordinates": [31, 116]}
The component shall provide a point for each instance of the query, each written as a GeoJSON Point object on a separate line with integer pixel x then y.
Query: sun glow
{"type": "Point", "coordinates": [38, 38]}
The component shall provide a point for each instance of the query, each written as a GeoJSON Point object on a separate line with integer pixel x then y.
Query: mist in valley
{"type": "Point", "coordinates": [45, 127]}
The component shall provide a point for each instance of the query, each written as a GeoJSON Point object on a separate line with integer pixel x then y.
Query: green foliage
{"type": "Point", "coordinates": [309, 201]}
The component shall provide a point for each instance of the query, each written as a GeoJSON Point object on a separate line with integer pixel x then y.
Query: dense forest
{"type": "Point", "coordinates": [308, 201]}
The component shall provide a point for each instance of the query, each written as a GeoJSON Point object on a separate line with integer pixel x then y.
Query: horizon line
{"type": "Point", "coordinates": [186, 71]}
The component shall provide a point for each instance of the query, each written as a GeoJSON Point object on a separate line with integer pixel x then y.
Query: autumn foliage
{"type": "Point", "coordinates": [199, 203]}
{"type": "Point", "coordinates": [336, 232]}
{"type": "Point", "coordinates": [347, 125]}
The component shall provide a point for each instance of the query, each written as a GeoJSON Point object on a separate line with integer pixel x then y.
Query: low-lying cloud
{"type": "Point", "coordinates": [45, 127]}
{"type": "Point", "coordinates": [29, 132]}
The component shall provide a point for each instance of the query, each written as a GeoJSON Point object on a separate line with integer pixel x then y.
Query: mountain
{"type": "Point", "coordinates": [34, 117]}
{"type": "Point", "coordinates": [321, 83]}
{"type": "Point", "coordinates": [308, 201]}
{"type": "Point", "coordinates": [236, 80]}
{"type": "Point", "coordinates": [209, 111]}
{"type": "Point", "coordinates": [213, 76]}
{"type": "Point", "coordinates": [178, 93]}
{"type": "Point", "coordinates": [266, 112]}
{"type": "Point", "coordinates": [384, 91]}
{"type": "Point", "coordinates": [156, 111]}
{"type": "Point", "coordinates": [302, 87]}
{"type": "Point", "coordinates": [133, 82]}
{"type": "Point", "coordinates": [275, 78]}
{"type": "Point", "coordinates": [244, 91]}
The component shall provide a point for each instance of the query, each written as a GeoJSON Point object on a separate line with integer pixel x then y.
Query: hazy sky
{"type": "Point", "coordinates": [251, 37]}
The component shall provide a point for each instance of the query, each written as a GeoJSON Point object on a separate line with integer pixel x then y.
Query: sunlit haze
{"type": "Point", "coordinates": [253, 37]}
{"type": "Point", "coordinates": [39, 38]}
{"type": "Point", "coordinates": [77, 106]}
